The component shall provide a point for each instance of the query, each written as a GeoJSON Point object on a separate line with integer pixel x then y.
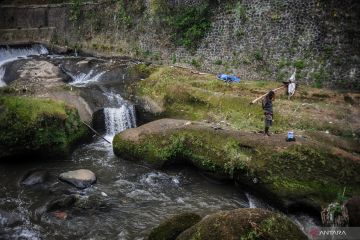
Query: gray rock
{"type": "Point", "coordinates": [60, 203]}
{"type": "Point", "coordinates": [353, 207]}
{"type": "Point", "coordinates": [81, 178]}
{"type": "Point", "coordinates": [9, 219]}
{"type": "Point", "coordinates": [35, 177]}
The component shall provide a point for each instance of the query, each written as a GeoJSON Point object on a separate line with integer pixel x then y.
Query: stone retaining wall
{"type": "Point", "coordinates": [265, 39]}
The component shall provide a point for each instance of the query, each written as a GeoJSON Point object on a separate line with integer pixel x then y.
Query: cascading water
{"type": "Point", "coordinates": [2, 74]}
{"type": "Point", "coordinates": [120, 117]}
{"type": "Point", "coordinates": [84, 78]}
{"type": "Point", "coordinates": [12, 54]}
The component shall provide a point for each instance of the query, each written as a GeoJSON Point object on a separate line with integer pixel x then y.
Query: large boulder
{"type": "Point", "coordinates": [244, 223]}
{"type": "Point", "coordinates": [172, 227]}
{"type": "Point", "coordinates": [81, 178]}
{"type": "Point", "coordinates": [268, 165]}
{"type": "Point", "coordinates": [38, 127]}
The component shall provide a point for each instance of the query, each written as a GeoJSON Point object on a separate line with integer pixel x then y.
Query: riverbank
{"type": "Point", "coordinates": [220, 133]}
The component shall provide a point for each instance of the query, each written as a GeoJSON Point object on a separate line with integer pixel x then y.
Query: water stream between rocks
{"type": "Point", "coordinates": [127, 200]}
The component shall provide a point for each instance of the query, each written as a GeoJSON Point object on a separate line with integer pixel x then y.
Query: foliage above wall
{"type": "Point", "coordinates": [190, 24]}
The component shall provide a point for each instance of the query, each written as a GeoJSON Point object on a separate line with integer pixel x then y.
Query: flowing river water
{"type": "Point", "coordinates": [127, 200]}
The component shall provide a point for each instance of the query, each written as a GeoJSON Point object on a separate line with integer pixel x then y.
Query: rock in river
{"type": "Point", "coordinates": [172, 227]}
{"type": "Point", "coordinates": [244, 223]}
{"type": "Point", "coordinates": [353, 207]}
{"type": "Point", "coordinates": [81, 178]}
{"type": "Point", "coordinates": [34, 177]}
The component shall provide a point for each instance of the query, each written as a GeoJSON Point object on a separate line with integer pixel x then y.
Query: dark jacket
{"type": "Point", "coordinates": [267, 105]}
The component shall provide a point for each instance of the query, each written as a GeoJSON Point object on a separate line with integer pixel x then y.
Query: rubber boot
{"type": "Point", "coordinates": [267, 131]}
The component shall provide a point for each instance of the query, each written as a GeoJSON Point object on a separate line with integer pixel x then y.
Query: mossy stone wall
{"type": "Point", "coordinates": [254, 38]}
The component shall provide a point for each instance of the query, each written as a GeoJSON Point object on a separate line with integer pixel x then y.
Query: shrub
{"type": "Point", "coordinates": [189, 25]}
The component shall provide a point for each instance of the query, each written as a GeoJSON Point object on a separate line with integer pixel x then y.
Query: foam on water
{"type": "Point", "coordinates": [2, 74]}
{"type": "Point", "coordinates": [120, 117]}
{"type": "Point", "coordinates": [82, 79]}
{"type": "Point", "coordinates": [12, 54]}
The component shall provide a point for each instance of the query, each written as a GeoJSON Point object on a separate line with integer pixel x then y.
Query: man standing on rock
{"type": "Point", "coordinates": [268, 110]}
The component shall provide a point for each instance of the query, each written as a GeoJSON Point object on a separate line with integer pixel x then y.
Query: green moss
{"type": "Point", "coordinates": [141, 70]}
{"type": "Point", "coordinates": [322, 176]}
{"type": "Point", "coordinates": [172, 227]}
{"type": "Point", "coordinates": [295, 172]}
{"type": "Point", "coordinates": [244, 224]}
{"type": "Point", "coordinates": [273, 227]}
{"type": "Point", "coordinates": [37, 126]}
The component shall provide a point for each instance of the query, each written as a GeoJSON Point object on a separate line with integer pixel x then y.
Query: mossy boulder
{"type": "Point", "coordinates": [172, 227]}
{"type": "Point", "coordinates": [304, 172]}
{"type": "Point", "coordinates": [243, 224]}
{"type": "Point", "coordinates": [38, 127]}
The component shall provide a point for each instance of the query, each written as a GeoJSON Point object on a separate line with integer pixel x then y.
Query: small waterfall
{"type": "Point", "coordinates": [84, 78]}
{"type": "Point", "coordinates": [251, 200]}
{"type": "Point", "coordinates": [12, 54]}
{"type": "Point", "coordinates": [120, 117]}
{"type": "Point", "coordinates": [2, 74]}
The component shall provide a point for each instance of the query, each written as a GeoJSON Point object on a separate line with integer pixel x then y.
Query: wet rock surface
{"type": "Point", "coordinates": [244, 224]}
{"type": "Point", "coordinates": [8, 219]}
{"type": "Point", "coordinates": [268, 165]}
{"type": "Point", "coordinates": [353, 207]}
{"type": "Point", "coordinates": [171, 228]}
{"type": "Point", "coordinates": [35, 177]}
{"type": "Point", "coordinates": [81, 178]}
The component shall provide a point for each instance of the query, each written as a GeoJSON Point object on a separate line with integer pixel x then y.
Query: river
{"type": "Point", "coordinates": [127, 200]}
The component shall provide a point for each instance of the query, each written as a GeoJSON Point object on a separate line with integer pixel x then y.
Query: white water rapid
{"type": "Point", "coordinates": [2, 74]}
{"type": "Point", "coordinates": [120, 117]}
{"type": "Point", "coordinates": [82, 79]}
{"type": "Point", "coordinates": [11, 54]}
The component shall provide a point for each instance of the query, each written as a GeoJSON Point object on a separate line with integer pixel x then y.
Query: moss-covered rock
{"type": "Point", "coordinates": [244, 224]}
{"type": "Point", "coordinates": [37, 127]}
{"type": "Point", "coordinates": [303, 172]}
{"type": "Point", "coordinates": [172, 227]}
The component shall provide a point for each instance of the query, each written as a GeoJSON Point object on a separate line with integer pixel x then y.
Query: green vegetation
{"type": "Point", "coordinates": [245, 157]}
{"type": "Point", "coordinates": [273, 227]}
{"type": "Point", "coordinates": [182, 94]}
{"type": "Point", "coordinates": [172, 227]}
{"type": "Point", "coordinates": [126, 12]}
{"type": "Point", "coordinates": [196, 63]}
{"type": "Point", "coordinates": [75, 11]}
{"type": "Point", "coordinates": [299, 64]}
{"type": "Point", "coordinates": [244, 224]}
{"type": "Point", "coordinates": [189, 25]}
{"type": "Point", "coordinates": [240, 11]}
{"type": "Point", "coordinates": [36, 126]}
{"type": "Point", "coordinates": [258, 55]}
{"type": "Point", "coordinates": [218, 62]}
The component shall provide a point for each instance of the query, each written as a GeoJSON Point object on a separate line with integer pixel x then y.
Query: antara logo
{"type": "Point", "coordinates": [332, 233]}
{"type": "Point", "coordinates": [316, 232]}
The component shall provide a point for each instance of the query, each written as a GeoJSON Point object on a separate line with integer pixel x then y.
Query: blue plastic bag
{"type": "Point", "coordinates": [228, 78]}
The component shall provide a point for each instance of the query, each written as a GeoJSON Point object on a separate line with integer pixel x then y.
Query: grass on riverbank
{"type": "Point", "coordinates": [186, 95]}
